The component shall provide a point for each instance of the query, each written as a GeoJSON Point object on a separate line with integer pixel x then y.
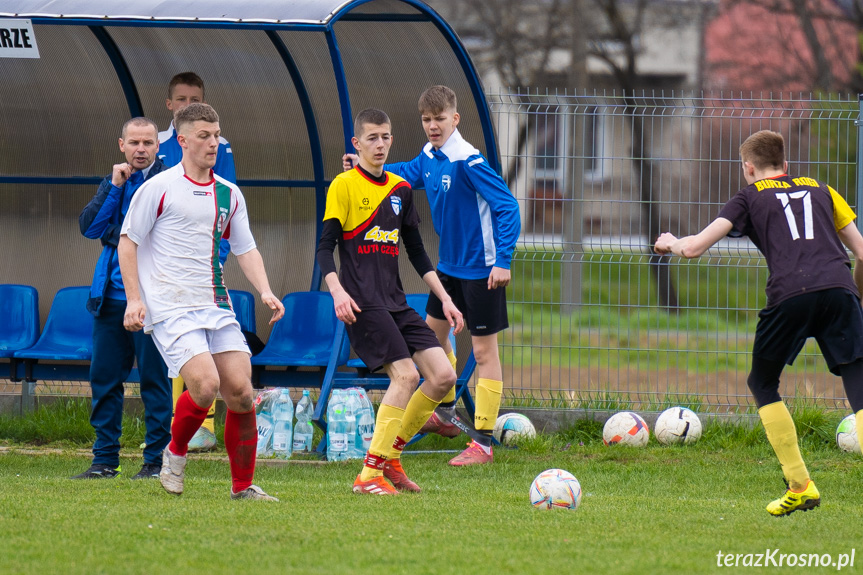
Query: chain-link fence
{"type": "Point", "coordinates": [596, 319]}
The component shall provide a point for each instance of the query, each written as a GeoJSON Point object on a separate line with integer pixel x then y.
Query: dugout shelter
{"type": "Point", "coordinates": [286, 77]}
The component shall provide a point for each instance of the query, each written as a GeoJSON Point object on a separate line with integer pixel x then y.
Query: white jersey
{"type": "Point", "coordinates": [178, 224]}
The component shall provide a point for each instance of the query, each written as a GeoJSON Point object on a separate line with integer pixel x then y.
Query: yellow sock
{"type": "Point", "coordinates": [859, 420]}
{"type": "Point", "coordinates": [177, 387]}
{"type": "Point", "coordinates": [488, 392]}
{"type": "Point", "coordinates": [210, 420]}
{"type": "Point", "coordinates": [783, 437]}
{"type": "Point", "coordinates": [449, 398]}
{"type": "Point", "coordinates": [387, 425]}
{"type": "Point", "coordinates": [417, 412]}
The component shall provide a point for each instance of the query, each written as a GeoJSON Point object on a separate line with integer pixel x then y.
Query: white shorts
{"type": "Point", "coordinates": [211, 330]}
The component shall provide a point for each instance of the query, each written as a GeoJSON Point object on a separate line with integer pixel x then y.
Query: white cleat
{"type": "Point", "coordinates": [173, 472]}
{"type": "Point", "coordinates": [253, 492]}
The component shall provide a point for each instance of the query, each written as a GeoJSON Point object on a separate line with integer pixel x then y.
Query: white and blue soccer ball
{"type": "Point", "coordinates": [625, 428]}
{"type": "Point", "coordinates": [846, 435]}
{"type": "Point", "coordinates": [677, 425]}
{"type": "Point", "coordinates": [555, 489]}
{"type": "Point", "coordinates": [512, 427]}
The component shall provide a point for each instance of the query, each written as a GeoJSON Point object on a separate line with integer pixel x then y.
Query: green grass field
{"type": "Point", "coordinates": [657, 510]}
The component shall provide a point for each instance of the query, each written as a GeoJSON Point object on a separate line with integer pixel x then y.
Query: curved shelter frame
{"type": "Point", "coordinates": [286, 76]}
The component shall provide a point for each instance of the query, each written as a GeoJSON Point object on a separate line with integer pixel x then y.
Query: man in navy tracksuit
{"type": "Point", "coordinates": [114, 348]}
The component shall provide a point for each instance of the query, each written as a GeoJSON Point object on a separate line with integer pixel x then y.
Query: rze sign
{"type": "Point", "coordinates": [17, 39]}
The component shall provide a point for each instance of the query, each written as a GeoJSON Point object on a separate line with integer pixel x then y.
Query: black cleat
{"type": "Point", "coordinates": [98, 471]}
{"type": "Point", "coordinates": [149, 471]}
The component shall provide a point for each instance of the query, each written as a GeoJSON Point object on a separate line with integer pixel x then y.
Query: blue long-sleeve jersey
{"type": "Point", "coordinates": [473, 212]}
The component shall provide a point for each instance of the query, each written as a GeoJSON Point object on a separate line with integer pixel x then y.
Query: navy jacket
{"type": "Point", "coordinates": [101, 219]}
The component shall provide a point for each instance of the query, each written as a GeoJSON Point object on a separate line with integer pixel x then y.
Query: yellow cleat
{"type": "Point", "coordinates": [793, 501]}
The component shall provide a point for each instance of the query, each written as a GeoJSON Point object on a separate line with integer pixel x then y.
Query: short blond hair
{"type": "Point", "coordinates": [436, 100]}
{"type": "Point", "coordinates": [764, 149]}
{"type": "Point", "coordinates": [194, 112]}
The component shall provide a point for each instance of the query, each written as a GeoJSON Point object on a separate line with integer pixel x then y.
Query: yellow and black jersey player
{"type": "Point", "coordinates": [369, 212]}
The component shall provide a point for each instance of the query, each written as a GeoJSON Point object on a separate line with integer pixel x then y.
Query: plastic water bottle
{"type": "Point", "coordinates": [283, 417]}
{"type": "Point", "coordinates": [337, 427]}
{"type": "Point", "coordinates": [365, 422]}
{"type": "Point", "coordinates": [303, 431]}
{"type": "Point", "coordinates": [353, 409]}
{"type": "Point", "coordinates": [265, 432]}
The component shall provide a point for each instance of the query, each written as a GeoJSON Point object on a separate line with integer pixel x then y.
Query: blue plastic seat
{"type": "Point", "coordinates": [244, 308]}
{"type": "Point", "coordinates": [304, 337]}
{"type": "Point", "coordinates": [68, 333]}
{"type": "Point", "coordinates": [19, 318]}
{"type": "Point", "coordinates": [19, 322]}
{"type": "Point", "coordinates": [417, 301]}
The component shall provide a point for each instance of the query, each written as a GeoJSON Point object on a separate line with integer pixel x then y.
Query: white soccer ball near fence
{"type": "Point", "coordinates": [625, 428]}
{"type": "Point", "coordinates": [846, 435]}
{"type": "Point", "coordinates": [677, 425]}
{"type": "Point", "coordinates": [510, 428]}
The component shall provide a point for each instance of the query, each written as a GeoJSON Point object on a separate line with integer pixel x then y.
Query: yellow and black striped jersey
{"type": "Point", "coordinates": [372, 216]}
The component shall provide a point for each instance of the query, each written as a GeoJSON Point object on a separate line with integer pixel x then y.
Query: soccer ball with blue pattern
{"type": "Point", "coordinates": [625, 428]}
{"type": "Point", "coordinates": [555, 489]}
{"type": "Point", "coordinates": [846, 435]}
{"type": "Point", "coordinates": [513, 427]}
{"type": "Point", "coordinates": [677, 425]}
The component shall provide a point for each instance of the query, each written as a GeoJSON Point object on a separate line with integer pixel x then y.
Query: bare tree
{"type": "Point", "coordinates": [619, 46]}
{"type": "Point", "coordinates": [517, 40]}
{"type": "Point", "coordinates": [805, 45]}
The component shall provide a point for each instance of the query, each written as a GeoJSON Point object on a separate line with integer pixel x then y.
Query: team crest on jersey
{"type": "Point", "coordinates": [446, 181]}
{"type": "Point", "coordinates": [396, 203]}
{"type": "Point", "coordinates": [223, 216]}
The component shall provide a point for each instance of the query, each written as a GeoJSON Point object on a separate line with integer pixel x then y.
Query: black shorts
{"type": "Point", "coordinates": [833, 317]}
{"type": "Point", "coordinates": [484, 310]}
{"type": "Point", "coordinates": [380, 337]}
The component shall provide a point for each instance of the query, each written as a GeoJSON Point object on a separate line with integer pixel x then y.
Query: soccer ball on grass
{"type": "Point", "coordinates": [512, 427]}
{"type": "Point", "coordinates": [555, 489]}
{"type": "Point", "coordinates": [846, 435]}
{"type": "Point", "coordinates": [677, 425]}
{"type": "Point", "coordinates": [625, 428]}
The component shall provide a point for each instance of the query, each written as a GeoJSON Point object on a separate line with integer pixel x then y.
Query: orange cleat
{"type": "Point", "coordinates": [394, 471]}
{"type": "Point", "coordinates": [375, 486]}
{"type": "Point", "coordinates": [436, 425]}
{"type": "Point", "coordinates": [473, 455]}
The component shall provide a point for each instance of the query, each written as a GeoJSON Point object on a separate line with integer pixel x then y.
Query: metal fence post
{"type": "Point", "coordinates": [859, 124]}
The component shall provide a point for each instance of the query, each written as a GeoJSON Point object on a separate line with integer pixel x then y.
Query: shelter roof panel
{"type": "Point", "coordinates": [246, 82]}
{"type": "Point", "coordinates": [266, 11]}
